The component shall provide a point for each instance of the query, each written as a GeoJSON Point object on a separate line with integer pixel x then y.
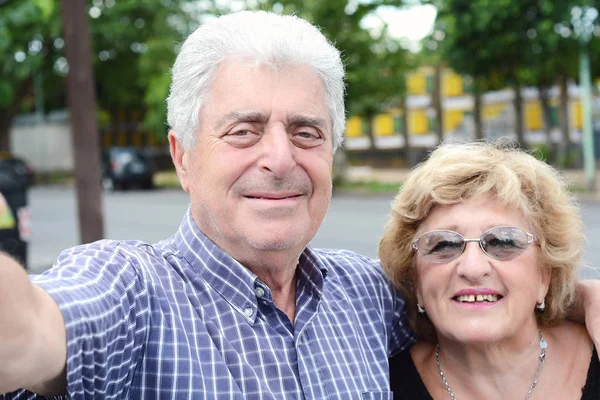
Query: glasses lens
{"type": "Point", "coordinates": [440, 246]}
{"type": "Point", "coordinates": [504, 242]}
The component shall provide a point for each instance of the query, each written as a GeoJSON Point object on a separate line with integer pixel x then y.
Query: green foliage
{"type": "Point", "coordinates": [501, 42]}
{"type": "Point", "coordinates": [133, 46]}
{"type": "Point", "coordinates": [26, 32]}
{"type": "Point", "coordinates": [540, 151]}
{"type": "Point", "coordinates": [375, 63]}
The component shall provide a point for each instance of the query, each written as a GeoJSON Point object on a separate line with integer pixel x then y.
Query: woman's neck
{"type": "Point", "coordinates": [499, 369]}
{"type": "Point", "coordinates": [491, 356]}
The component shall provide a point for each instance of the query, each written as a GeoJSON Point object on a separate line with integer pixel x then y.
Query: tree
{"type": "Point", "coordinates": [134, 44]}
{"type": "Point", "coordinates": [375, 63]}
{"type": "Point", "coordinates": [84, 130]}
{"type": "Point", "coordinates": [552, 59]}
{"type": "Point", "coordinates": [430, 56]}
{"type": "Point", "coordinates": [487, 41]}
{"type": "Point", "coordinates": [28, 30]}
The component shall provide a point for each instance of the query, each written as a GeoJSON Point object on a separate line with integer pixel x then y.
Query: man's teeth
{"type": "Point", "coordinates": [471, 298]}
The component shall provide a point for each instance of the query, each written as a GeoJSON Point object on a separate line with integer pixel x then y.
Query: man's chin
{"type": "Point", "coordinates": [274, 244]}
{"type": "Point", "coordinates": [277, 240]}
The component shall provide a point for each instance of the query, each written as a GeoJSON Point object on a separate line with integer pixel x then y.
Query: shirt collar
{"type": "Point", "coordinates": [227, 276]}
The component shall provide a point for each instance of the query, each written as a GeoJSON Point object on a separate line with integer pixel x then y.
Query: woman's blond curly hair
{"type": "Point", "coordinates": [457, 172]}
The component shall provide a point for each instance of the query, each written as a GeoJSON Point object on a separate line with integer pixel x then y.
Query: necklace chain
{"type": "Point", "coordinates": [543, 347]}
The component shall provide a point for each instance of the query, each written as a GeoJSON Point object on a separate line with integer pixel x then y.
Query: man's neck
{"type": "Point", "coordinates": [283, 288]}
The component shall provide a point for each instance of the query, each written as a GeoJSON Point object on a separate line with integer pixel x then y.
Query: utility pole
{"type": "Point", "coordinates": [583, 22]}
{"type": "Point", "coordinates": [81, 98]}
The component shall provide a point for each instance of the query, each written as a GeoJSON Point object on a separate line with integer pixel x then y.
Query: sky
{"type": "Point", "coordinates": [410, 23]}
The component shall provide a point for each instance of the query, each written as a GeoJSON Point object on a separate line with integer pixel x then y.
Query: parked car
{"type": "Point", "coordinates": [124, 167]}
{"type": "Point", "coordinates": [15, 219]}
{"type": "Point", "coordinates": [21, 168]}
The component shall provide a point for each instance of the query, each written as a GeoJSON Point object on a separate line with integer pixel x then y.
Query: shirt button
{"type": "Point", "coordinates": [260, 292]}
{"type": "Point", "coordinates": [248, 312]}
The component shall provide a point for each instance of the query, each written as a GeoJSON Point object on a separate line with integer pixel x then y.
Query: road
{"type": "Point", "coordinates": [353, 222]}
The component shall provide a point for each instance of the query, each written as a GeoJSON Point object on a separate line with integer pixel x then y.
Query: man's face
{"type": "Point", "coordinates": [259, 176]}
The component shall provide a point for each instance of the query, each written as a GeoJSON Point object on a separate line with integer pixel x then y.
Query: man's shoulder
{"type": "Point", "coordinates": [350, 265]}
{"type": "Point", "coordinates": [109, 255]}
{"type": "Point", "coordinates": [341, 256]}
{"type": "Point", "coordinates": [118, 249]}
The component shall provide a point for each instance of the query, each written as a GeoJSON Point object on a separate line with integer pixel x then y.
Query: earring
{"type": "Point", "coordinates": [542, 306]}
{"type": "Point", "coordinates": [420, 309]}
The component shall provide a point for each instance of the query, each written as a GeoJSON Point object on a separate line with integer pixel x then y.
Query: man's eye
{"type": "Point", "coordinates": [307, 138]}
{"type": "Point", "coordinates": [307, 135]}
{"type": "Point", "coordinates": [242, 137]}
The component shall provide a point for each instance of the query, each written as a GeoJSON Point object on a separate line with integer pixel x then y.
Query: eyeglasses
{"type": "Point", "coordinates": [501, 243]}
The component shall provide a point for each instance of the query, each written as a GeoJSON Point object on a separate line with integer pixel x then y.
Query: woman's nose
{"type": "Point", "coordinates": [473, 263]}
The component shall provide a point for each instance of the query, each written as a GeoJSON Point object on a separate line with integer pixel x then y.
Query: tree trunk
{"type": "Point", "coordinates": [6, 120]}
{"type": "Point", "coordinates": [8, 113]}
{"type": "Point", "coordinates": [84, 131]}
{"type": "Point", "coordinates": [477, 110]}
{"type": "Point", "coordinates": [519, 125]}
{"type": "Point", "coordinates": [563, 122]}
{"type": "Point", "coordinates": [405, 135]}
{"type": "Point", "coordinates": [369, 118]}
{"type": "Point", "coordinates": [547, 122]}
{"type": "Point", "coordinates": [436, 99]}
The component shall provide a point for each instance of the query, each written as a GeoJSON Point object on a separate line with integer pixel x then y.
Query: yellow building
{"type": "Point", "coordinates": [457, 105]}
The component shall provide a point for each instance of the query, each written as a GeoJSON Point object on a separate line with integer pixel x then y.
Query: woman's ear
{"type": "Point", "coordinates": [546, 276]}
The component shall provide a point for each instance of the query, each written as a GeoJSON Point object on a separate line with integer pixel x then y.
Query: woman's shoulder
{"type": "Point", "coordinates": [578, 369]}
{"type": "Point", "coordinates": [591, 390]}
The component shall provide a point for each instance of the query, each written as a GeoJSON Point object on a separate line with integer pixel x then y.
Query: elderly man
{"type": "Point", "coordinates": [234, 305]}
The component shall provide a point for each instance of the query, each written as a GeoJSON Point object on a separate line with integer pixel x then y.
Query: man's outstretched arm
{"type": "Point", "coordinates": [33, 346]}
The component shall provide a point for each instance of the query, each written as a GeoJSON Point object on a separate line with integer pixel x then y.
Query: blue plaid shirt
{"type": "Point", "coordinates": [183, 320]}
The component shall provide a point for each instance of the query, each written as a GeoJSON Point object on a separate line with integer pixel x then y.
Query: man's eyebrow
{"type": "Point", "coordinates": [239, 116]}
{"type": "Point", "coordinates": [308, 121]}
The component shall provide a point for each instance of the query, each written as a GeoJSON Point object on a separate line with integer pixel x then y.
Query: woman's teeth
{"type": "Point", "coordinates": [471, 298]}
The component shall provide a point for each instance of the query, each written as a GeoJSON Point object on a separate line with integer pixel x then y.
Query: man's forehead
{"type": "Point", "coordinates": [243, 90]}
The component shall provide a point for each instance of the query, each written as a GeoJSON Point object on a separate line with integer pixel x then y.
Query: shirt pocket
{"type": "Point", "coordinates": [377, 395]}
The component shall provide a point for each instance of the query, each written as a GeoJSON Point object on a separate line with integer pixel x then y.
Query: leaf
{"type": "Point", "coordinates": [46, 7]}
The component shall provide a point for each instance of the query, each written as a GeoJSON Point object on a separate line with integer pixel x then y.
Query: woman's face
{"type": "Point", "coordinates": [508, 290]}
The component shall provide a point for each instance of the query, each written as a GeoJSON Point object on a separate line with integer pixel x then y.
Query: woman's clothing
{"type": "Point", "coordinates": [406, 383]}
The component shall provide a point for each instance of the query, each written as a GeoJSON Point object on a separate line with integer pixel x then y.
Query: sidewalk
{"type": "Point", "coordinates": [575, 178]}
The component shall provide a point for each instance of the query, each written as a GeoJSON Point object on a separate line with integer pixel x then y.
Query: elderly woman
{"type": "Point", "coordinates": [484, 241]}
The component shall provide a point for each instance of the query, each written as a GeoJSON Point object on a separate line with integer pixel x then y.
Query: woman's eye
{"type": "Point", "coordinates": [444, 245]}
{"type": "Point", "coordinates": [501, 243]}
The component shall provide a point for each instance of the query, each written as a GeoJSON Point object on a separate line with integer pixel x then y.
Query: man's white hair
{"type": "Point", "coordinates": [273, 40]}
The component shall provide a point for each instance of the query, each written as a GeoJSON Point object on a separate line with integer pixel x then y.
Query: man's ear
{"type": "Point", "coordinates": [180, 160]}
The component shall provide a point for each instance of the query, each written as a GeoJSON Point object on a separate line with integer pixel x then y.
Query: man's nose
{"type": "Point", "coordinates": [278, 152]}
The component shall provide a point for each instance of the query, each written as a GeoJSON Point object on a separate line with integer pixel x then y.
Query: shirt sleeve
{"type": "Point", "coordinates": [400, 334]}
{"type": "Point", "coordinates": [104, 302]}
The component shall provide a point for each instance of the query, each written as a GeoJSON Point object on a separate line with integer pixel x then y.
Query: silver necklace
{"type": "Point", "coordinates": [543, 347]}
